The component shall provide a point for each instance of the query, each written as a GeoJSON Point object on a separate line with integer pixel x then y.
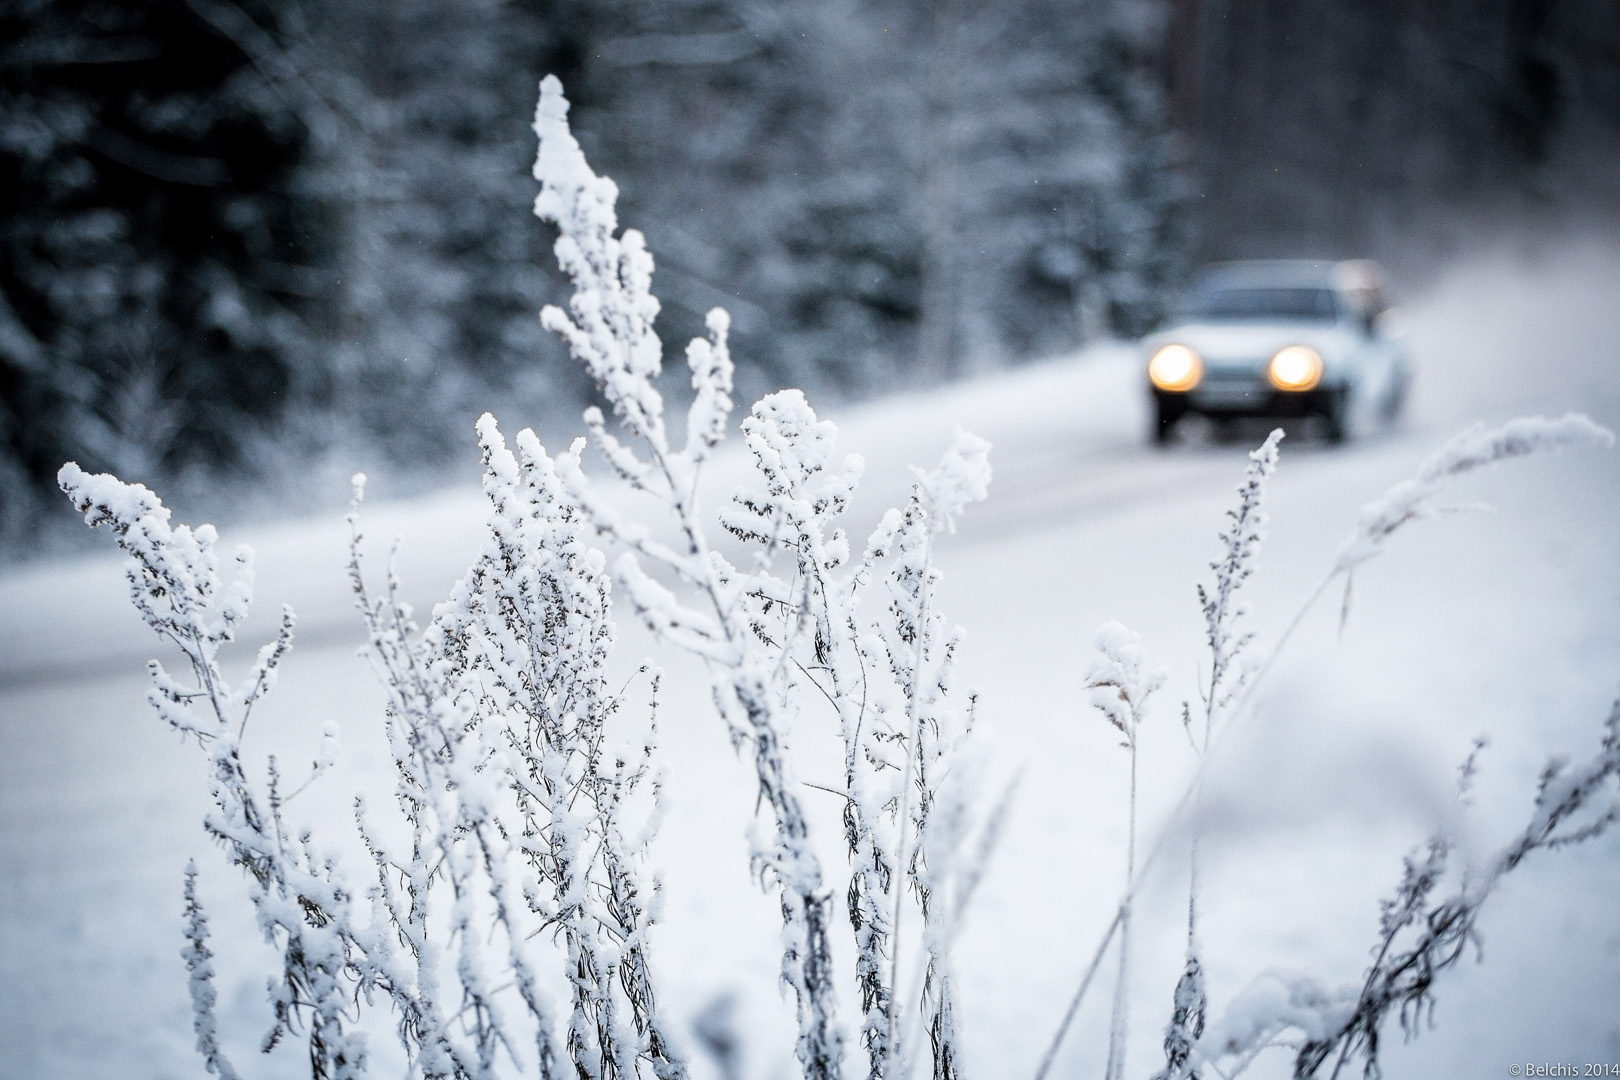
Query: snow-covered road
{"type": "Point", "coordinates": [1506, 624]}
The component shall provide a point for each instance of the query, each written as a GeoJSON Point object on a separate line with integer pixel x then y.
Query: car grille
{"type": "Point", "coordinates": [1241, 386]}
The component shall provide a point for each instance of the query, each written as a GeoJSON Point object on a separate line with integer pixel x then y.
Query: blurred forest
{"type": "Point", "coordinates": [250, 236]}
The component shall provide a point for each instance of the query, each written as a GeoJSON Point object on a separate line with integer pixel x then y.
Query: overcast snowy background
{"type": "Point", "coordinates": [249, 248]}
{"type": "Point", "coordinates": [1503, 624]}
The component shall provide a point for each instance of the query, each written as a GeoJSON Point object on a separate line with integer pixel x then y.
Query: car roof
{"type": "Point", "coordinates": [1349, 275]}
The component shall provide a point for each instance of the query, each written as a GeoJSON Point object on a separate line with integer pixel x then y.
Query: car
{"type": "Point", "coordinates": [1281, 338]}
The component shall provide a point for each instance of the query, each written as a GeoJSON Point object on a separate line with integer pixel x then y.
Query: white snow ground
{"type": "Point", "coordinates": [1506, 624]}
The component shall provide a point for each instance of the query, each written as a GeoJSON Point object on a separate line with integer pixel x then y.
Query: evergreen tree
{"type": "Point", "coordinates": [1061, 174]}
{"type": "Point", "coordinates": [230, 222]}
{"type": "Point", "coordinates": [897, 188]}
{"type": "Point", "coordinates": [163, 267]}
{"type": "Point", "coordinates": [445, 266]}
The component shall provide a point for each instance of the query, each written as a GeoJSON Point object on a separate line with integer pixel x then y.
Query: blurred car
{"type": "Point", "coordinates": [1291, 338]}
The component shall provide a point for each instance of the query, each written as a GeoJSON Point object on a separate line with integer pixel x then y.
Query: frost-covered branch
{"type": "Point", "coordinates": [608, 328]}
{"type": "Point", "coordinates": [1416, 498]}
{"type": "Point", "coordinates": [1223, 610]}
{"type": "Point", "coordinates": [889, 681]}
{"type": "Point", "coordinates": [762, 635]}
{"type": "Point", "coordinates": [497, 721]}
{"type": "Point", "coordinates": [921, 652]}
{"type": "Point", "coordinates": [806, 488]}
{"type": "Point", "coordinates": [200, 967]}
{"type": "Point", "coordinates": [1418, 937]}
{"type": "Point", "coordinates": [509, 685]}
{"type": "Point", "coordinates": [303, 904]}
{"type": "Point", "coordinates": [1229, 673]}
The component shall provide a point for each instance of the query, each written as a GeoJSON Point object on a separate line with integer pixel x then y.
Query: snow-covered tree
{"type": "Point", "coordinates": [1059, 197]}
{"type": "Point", "coordinates": [1001, 183]}
{"type": "Point", "coordinates": [164, 261]}
{"type": "Point", "coordinates": [439, 288]}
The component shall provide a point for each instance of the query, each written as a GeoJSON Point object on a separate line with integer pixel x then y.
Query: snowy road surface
{"type": "Point", "coordinates": [1506, 624]}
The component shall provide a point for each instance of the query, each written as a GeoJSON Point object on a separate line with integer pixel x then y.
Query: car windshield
{"type": "Point", "coordinates": [1267, 302]}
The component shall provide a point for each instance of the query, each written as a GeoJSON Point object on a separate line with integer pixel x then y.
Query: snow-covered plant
{"type": "Point", "coordinates": [302, 900]}
{"type": "Point", "coordinates": [1344, 1020]}
{"type": "Point", "coordinates": [1475, 448]}
{"type": "Point", "coordinates": [1415, 498]}
{"type": "Point", "coordinates": [1223, 610]}
{"type": "Point", "coordinates": [1338, 1023]}
{"type": "Point", "coordinates": [515, 866]}
{"type": "Point", "coordinates": [1120, 683]}
{"type": "Point", "coordinates": [505, 694]}
{"type": "Point", "coordinates": [200, 967]}
{"type": "Point", "coordinates": [762, 634]}
{"type": "Point", "coordinates": [520, 817]}
{"type": "Point", "coordinates": [609, 329]}
{"type": "Point", "coordinates": [1229, 674]}
{"type": "Point", "coordinates": [1419, 936]}
{"type": "Point", "coordinates": [920, 649]}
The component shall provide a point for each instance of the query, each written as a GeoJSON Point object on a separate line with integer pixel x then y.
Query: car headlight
{"type": "Point", "coordinates": [1175, 367]}
{"type": "Point", "coordinates": [1295, 367]}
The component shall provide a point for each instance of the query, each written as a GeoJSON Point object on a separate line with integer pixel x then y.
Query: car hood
{"type": "Point", "coordinates": [1253, 342]}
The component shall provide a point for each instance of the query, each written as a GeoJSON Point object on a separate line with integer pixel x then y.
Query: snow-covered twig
{"type": "Point", "coordinates": [1120, 683]}
{"type": "Point", "coordinates": [1418, 938]}
{"type": "Point", "coordinates": [921, 657]}
{"type": "Point", "coordinates": [200, 967]}
{"type": "Point", "coordinates": [496, 718]}
{"type": "Point", "coordinates": [608, 328]}
{"type": "Point", "coordinates": [806, 488]}
{"type": "Point", "coordinates": [1229, 675]}
{"type": "Point", "coordinates": [1475, 448]}
{"type": "Point", "coordinates": [509, 685]}
{"type": "Point", "coordinates": [303, 904]}
{"type": "Point", "coordinates": [1416, 497]}
{"type": "Point", "coordinates": [1222, 610]}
